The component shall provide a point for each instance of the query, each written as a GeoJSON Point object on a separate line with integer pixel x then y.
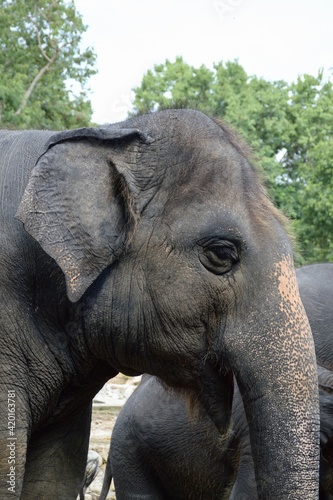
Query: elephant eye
{"type": "Point", "coordinates": [219, 256]}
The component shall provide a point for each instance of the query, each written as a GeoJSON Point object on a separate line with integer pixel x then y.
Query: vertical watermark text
{"type": "Point", "coordinates": [11, 441]}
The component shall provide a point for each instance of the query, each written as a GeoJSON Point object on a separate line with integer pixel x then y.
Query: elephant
{"type": "Point", "coordinates": [177, 455]}
{"type": "Point", "coordinates": [160, 451]}
{"type": "Point", "coordinates": [147, 246]}
{"type": "Point", "coordinates": [316, 289]}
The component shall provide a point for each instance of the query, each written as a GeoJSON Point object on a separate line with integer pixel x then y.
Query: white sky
{"type": "Point", "coordinates": [275, 39]}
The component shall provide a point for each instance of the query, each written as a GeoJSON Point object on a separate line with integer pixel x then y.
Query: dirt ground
{"type": "Point", "coordinates": [107, 405]}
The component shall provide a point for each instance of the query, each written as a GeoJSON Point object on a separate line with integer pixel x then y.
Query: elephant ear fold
{"type": "Point", "coordinates": [79, 206]}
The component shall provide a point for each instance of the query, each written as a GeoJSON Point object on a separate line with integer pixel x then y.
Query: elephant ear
{"type": "Point", "coordinates": [81, 203]}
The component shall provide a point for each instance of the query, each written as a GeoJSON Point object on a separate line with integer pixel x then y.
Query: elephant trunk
{"type": "Point", "coordinates": [274, 363]}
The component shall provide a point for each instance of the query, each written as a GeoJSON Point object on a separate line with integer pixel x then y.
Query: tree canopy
{"type": "Point", "coordinates": [289, 127]}
{"type": "Point", "coordinates": [40, 61]}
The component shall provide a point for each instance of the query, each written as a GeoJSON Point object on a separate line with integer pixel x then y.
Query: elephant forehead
{"type": "Point", "coordinates": [214, 200]}
{"type": "Point", "coordinates": [215, 174]}
{"type": "Point", "coordinates": [213, 167]}
{"type": "Point", "coordinates": [197, 165]}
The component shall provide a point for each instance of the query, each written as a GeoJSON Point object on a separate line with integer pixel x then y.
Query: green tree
{"type": "Point", "coordinates": [314, 198]}
{"type": "Point", "coordinates": [40, 60]}
{"type": "Point", "coordinates": [255, 107]}
{"type": "Point", "coordinates": [173, 84]}
{"type": "Point", "coordinates": [289, 127]}
{"type": "Point", "coordinates": [308, 165]}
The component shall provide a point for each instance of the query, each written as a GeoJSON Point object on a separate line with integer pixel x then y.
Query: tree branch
{"type": "Point", "coordinates": [34, 83]}
{"type": "Point", "coordinates": [33, 20]}
{"type": "Point", "coordinates": [44, 54]}
{"type": "Point", "coordinates": [50, 61]}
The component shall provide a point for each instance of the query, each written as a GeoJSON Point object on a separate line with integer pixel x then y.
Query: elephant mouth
{"type": "Point", "coordinates": [213, 398]}
{"type": "Point", "coordinates": [216, 396]}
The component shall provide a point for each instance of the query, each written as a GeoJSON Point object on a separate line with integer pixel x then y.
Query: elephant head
{"type": "Point", "coordinates": [181, 267]}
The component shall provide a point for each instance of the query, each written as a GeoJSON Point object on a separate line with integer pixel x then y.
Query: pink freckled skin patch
{"type": "Point", "coordinates": [292, 307]}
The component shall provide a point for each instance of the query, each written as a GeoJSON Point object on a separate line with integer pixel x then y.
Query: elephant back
{"type": "Point", "coordinates": [19, 152]}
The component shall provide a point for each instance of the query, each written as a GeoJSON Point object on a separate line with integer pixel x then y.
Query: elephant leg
{"type": "Point", "coordinates": [56, 459]}
{"type": "Point", "coordinates": [143, 487]}
{"type": "Point", "coordinates": [134, 478]}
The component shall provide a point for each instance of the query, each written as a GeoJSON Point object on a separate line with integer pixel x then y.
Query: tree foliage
{"type": "Point", "coordinates": [40, 58]}
{"type": "Point", "coordinates": [289, 126]}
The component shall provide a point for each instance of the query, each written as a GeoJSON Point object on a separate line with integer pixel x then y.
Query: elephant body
{"type": "Point", "coordinates": [160, 450]}
{"type": "Point", "coordinates": [316, 290]}
{"type": "Point", "coordinates": [147, 246]}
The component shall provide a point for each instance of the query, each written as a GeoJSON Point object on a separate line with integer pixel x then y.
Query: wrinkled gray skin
{"type": "Point", "coordinates": [176, 456]}
{"type": "Point", "coordinates": [316, 290]}
{"type": "Point", "coordinates": [159, 451]}
{"type": "Point", "coordinates": [147, 246]}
